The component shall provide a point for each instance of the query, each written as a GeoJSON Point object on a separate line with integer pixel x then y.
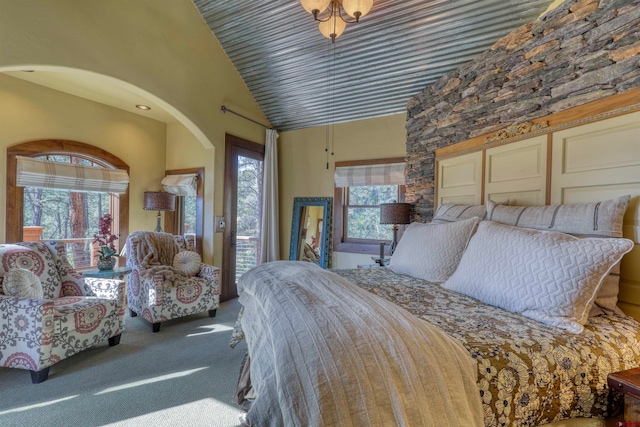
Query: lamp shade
{"type": "Point", "coordinates": [311, 5]}
{"type": "Point", "coordinates": [357, 8]}
{"type": "Point", "coordinates": [333, 27]}
{"type": "Point", "coordinates": [395, 213]}
{"type": "Point", "coordinates": [159, 201]}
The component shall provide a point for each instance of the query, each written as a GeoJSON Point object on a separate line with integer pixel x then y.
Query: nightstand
{"type": "Point", "coordinates": [628, 382]}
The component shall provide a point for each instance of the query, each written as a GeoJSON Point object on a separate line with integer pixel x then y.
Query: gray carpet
{"type": "Point", "coordinates": [184, 375]}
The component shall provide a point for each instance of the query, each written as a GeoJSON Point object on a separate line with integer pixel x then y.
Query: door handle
{"type": "Point", "coordinates": [232, 237]}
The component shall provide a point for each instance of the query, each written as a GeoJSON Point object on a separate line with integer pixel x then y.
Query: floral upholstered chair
{"type": "Point", "coordinates": [48, 311]}
{"type": "Point", "coordinates": [167, 279]}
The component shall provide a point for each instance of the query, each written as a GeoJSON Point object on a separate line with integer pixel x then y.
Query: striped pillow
{"type": "Point", "coordinates": [453, 213]}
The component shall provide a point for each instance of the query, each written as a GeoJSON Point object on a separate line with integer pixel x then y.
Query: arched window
{"type": "Point", "coordinates": [61, 214]}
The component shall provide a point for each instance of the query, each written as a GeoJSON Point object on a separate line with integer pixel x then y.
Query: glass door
{"type": "Point", "coordinates": [242, 211]}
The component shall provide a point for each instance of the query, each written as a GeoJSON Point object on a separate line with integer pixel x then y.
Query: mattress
{"type": "Point", "coordinates": [529, 373]}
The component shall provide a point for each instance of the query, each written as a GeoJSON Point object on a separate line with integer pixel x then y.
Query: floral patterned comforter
{"type": "Point", "coordinates": [529, 373]}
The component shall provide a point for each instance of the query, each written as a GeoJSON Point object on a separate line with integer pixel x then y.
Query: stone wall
{"type": "Point", "coordinates": [581, 51]}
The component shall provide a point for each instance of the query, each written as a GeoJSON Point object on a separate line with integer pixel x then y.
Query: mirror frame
{"type": "Point", "coordinates": [327, 227]}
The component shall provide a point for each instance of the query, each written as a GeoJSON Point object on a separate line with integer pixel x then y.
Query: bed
{"type": "Point", "coordinates": [532, 364]}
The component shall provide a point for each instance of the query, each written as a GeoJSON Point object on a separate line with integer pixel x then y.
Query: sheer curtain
{"type": "Point", "coordinates": [270, 238]}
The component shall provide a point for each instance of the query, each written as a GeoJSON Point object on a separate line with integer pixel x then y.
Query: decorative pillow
{"type": "Point", "coordinates": [452, 213]}
{"type": "Point", "coordinates": [187, 262]}
{"type": "Point", "coordinates": [583, 220]}
{"type": "Point", "coordinates": [432, 251]}
{"type": "Point", "coordinates": [547, 276]}
{"type": "Point", "coordinates": [22, 283]}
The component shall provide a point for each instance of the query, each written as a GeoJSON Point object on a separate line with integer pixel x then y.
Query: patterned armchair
{"type": "Point", "coordinates": [158, 291]}
{"type": "Point", "coordinates": [74, 314]}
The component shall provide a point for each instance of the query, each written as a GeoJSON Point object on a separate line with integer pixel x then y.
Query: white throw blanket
{"type": "Point", "coordinates": [327, 353]}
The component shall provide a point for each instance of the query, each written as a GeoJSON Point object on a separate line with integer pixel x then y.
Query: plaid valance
{"type": "Point", "coordinates": [181, 185]}
{"type": "Point", "coordinates": [64, 176]}
{"type": "Point", "coordinates": [379, 174]}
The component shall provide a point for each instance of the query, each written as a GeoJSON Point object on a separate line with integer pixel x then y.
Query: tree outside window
{"type": "Point", "coordinates": [362, 211]}
{"type": "Point", "coordinates": [67, 215]}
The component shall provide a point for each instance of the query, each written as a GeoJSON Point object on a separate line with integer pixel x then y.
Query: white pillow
{"type": "Point", "coordinates": [432, 251]}
{"type": "Point", "coordinates": [547, 276]}
{"type": "Point", "coordinates": [22, 283]}
{"type": "Point", "coordinates": [187, 262]}
{"type": "Point", "coordinates": [584, 220]}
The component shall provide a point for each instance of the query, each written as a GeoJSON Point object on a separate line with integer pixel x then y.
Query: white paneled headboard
{"type": "Point", "coordinates": [593, 157]}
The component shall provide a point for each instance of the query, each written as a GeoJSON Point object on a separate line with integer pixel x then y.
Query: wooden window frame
{"type": "Point", "coordinates": [174, 219]}
{"type": "Point", "coordinates": [340, 243]}
{"type": "Point", "coordinates": [15, 194]}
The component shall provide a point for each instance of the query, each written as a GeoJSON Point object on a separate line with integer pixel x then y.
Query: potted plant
{"type": "Point", "coordinates": [107, 253]}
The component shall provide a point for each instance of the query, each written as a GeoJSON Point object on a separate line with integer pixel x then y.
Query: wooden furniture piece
{"type": "Point", "coordinates": [628, 382]}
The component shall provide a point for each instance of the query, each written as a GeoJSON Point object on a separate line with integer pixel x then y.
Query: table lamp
{"type": "Point", "coordinates": [159, 201]}
{"type": "Point", "coordinates": [395, 213]}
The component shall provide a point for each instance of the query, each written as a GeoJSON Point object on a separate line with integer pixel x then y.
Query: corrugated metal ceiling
{"type": "Point", "coordinates": [301, 80]}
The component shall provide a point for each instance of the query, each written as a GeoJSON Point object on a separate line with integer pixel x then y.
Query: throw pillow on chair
{"type": "Point", "coordinates": [22, 283]}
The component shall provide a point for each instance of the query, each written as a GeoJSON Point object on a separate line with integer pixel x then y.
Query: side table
{"type": "Point", "coordinates": [116, 273]}
{"type": "Point", "coordinates": [628, 382]}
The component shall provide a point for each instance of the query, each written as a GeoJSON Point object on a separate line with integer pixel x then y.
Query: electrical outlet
{"type": "Point", "coordinates": [220, 224]}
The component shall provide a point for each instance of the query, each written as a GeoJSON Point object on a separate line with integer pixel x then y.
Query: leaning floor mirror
{"type": "Point", "coordinates": [311, 230]}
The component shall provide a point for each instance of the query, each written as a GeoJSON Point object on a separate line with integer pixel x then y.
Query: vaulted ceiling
{"type": "Point", "coordinates": [300, 79]}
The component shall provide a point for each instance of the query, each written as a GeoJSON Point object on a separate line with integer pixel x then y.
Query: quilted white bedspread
{"type": "Point", "coordinates": [326, 353]}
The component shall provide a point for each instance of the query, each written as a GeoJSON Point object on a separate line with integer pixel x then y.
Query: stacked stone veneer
{"type": "Point", "coordinates": [577, 53]}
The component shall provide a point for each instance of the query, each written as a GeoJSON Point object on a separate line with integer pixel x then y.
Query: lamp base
{"type": "Point", "coordinates": [158, 228]}
{"type": "Point", "coordinates": [394, 242]}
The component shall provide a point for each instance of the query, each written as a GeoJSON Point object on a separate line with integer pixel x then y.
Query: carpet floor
{"type": "Point", "coordinates": [184, 375]}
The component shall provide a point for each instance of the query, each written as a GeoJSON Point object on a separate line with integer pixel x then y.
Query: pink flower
{"type": "Point", "coordinates": [104, 236]}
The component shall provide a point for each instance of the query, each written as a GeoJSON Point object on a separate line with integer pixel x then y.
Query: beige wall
{"type": "Point", "coordinates": [303, 161]}
{"type": "Point", "coordinates": [184, 151]}
{"type": "Point", "coordinates": [160, 49]}
{"type": "Point", "coordinates": [31, 112]}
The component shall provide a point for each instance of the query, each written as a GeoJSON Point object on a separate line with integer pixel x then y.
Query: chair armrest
{"type": "Point", "coordinates": [107, 288]}
{"type": "Point", "coordinates": [209, 272]}
{"type": "Point", "coordinates": [212, 275]}
{"type": "Point", "coordinates": [36, 339]}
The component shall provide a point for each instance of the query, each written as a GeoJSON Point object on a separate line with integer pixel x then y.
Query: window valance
{"type": "Point", "coordinates": [378, 174]}
{"type": "Point", "coordinates": [64, 176]}
{"type": "Point", "coordinates": [181, 185]}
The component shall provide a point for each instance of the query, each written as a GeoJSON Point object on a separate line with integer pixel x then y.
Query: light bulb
{"type": "Point", "coordinates": [357, 8]}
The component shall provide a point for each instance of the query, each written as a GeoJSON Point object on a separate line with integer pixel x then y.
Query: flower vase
{"type": "Point", "coordinates": [106, 263]}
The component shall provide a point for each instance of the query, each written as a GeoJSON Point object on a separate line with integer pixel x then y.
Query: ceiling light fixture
{"type": "Point", "coordinates": [334, 23]}
{"type": "Point", "coordinates": [143, 107]}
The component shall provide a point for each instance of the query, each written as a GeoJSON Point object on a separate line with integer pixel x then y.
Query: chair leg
{"type": "Point", "coordinates": [40, 376]}
{"type": "Point", "coordinates": [212, 313]}
{"type": "Point", "coordinates": [114, 340]}
{"type": "Point", "coordinates": [156, 327]}
{"type": "Point", "coordinates": [132, 313]}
